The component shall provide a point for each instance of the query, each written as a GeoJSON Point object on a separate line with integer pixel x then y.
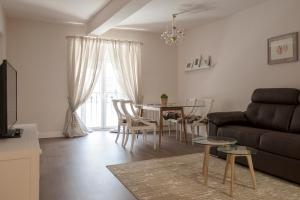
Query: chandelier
{"type": "Point", "coordinates": [173, 36]}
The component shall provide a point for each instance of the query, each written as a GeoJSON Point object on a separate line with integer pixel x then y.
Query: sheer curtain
{"type": "Point", "coordinates": [126, 60]}
{"type": "Point", "coordinates": [85, 60]}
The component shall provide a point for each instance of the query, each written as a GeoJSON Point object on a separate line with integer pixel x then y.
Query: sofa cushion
{"type": "Point", "coordinates": [245, 135]}
{"type": "Point", "coordinates": [270, 116]}
{"type": "Point", "coordinates": [295, 123]}
{"type": "Point", "coordinates": [276, 96]}
{"type": "Point", "coordinates": [281, 143]}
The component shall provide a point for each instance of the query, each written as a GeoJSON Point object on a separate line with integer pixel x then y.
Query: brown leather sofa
{"type": "Point", "coordinates": [271, 124]}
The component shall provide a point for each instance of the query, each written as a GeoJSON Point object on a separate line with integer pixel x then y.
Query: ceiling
{"type": "Point", "coordinates": [61, 11]}
{"type": "Point", "coordinates": [153, 15]}
{"type": "Point", "coordinates": [156, 15]}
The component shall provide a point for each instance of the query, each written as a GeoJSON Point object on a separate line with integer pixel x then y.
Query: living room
{"type": "Point", "coordinates": [240, 56]}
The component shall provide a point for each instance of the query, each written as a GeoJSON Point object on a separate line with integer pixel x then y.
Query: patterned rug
{"type": "Point", "coordinates": [179, 178]}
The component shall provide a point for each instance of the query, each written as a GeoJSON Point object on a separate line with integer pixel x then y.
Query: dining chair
{"type": "Point", "coordinates": [121, 119]}
{"type": "Point", "coordinates": [198, 118]}
{"type": "Point", "coordinates": [135, 123]}
{"type": "Point", "coordinates": [175, 118]}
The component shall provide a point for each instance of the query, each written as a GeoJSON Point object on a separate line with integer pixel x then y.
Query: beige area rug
{"type": "Point", "coordinates": [179, 178]}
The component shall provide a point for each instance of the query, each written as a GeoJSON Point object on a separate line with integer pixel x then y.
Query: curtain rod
{"type": "Point", "coordinates": [97, 37]}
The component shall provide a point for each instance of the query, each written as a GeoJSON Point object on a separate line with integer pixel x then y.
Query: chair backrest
{"type": "Point", "coordinates": [205, 106]}
{"type": "Point", "coordinates": [190, 102]}
{"type": "Point", "coordinates": [127, 109]}
{"type": "Point", "coordinates": [134, 110]}
{"type": "Point", "coordinates": [208, 106]}
{"type": "Point", "coordinates": [118, 109]}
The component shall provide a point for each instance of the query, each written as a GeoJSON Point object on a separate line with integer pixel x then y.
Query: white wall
{"type": "Point", "coordinates": [159, 63]}
{"type": "Point", "coordinates": [239, 46]}
{"type": "Point", "coordinates": [2, 34]}
{"type": "Point", "coordinates": [38, 51]}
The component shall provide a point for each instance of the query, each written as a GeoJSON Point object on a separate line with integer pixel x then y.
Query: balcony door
{"type": "Point", "coordinates": [97, 112]}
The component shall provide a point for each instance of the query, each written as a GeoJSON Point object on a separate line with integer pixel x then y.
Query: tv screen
{"type": "Point", "coordinates": [11, 96]}
{"type": "Point", "coordinates": [8, 98]}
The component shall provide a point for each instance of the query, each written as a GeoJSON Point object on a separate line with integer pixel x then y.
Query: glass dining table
{"type": "Point", "coordinates": [167, 108]}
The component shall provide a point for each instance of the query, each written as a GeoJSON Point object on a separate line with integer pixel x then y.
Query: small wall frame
{"type": "Point", "coordinates": [283, 49]}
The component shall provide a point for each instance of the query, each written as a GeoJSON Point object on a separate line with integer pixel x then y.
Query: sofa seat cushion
{"type": "Point", "coordinates": [247, 136]}
{"type": "Point", "coordinates": [281, 143]}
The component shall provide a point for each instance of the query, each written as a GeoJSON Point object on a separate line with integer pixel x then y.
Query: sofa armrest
{"type": "Point", "coordinates": [222, 118]}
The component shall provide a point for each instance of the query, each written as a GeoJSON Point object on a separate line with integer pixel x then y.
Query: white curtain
{"type": "Point", "coordinates": [126, 60]}
{"type": "Point", "coordinates": [85, 60]}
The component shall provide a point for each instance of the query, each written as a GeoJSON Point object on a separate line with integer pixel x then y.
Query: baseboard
{"type": "Point", "coordinates": [51, 134]}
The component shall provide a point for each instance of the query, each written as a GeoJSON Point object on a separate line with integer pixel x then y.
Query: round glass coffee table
{"type": "Point", "coordinates": [233, 151]}
{"type": "Point", "coordinates": [208, 142]}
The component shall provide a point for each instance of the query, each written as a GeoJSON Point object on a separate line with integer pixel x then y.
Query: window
{"type": "Point", "coordinates": [98, 112]}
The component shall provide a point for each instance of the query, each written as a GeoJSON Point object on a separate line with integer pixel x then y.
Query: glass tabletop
{"type": "Point", "coordinates": [237, 150]}
{"type": "Point", "coordinates": [214, 140]}
{"type": "Point", "coordinates": [167, 106]}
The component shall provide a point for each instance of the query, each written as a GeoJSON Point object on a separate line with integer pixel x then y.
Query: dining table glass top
{"type": "Point", "coordinates": [171, 105]}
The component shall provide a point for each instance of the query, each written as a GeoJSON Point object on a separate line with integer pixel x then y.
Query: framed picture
{"type": "Point", "coordinates": [283, 48]}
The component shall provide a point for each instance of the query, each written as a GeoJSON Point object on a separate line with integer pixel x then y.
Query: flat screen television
{"type": "Point", "coordinates": [8, 101]}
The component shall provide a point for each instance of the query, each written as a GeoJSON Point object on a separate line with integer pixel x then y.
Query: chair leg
{"type": "Point", "coordinates": [193, 130]}
{"type": "Point", "coordinates": [154, 138]}
{"type": "Point", "coordinates": [144, 136]}
{"type": "Point", "coordinates": [180, 132]}
{"type": "Point", "coordinates": [127, 136]}
{"type": "Point", "coordinates": [177, 131]}
{"type": "Point", "coordinates": [123, 136]}
{"type": "Point", "coordinates": [132, 140]}
{"type": "Point", "coordinates": [169, 126]}
{"type": "Point", "coordinates": [118, 134]}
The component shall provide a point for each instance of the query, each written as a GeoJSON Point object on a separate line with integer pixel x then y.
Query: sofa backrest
{"type": "Point", "coordinates": [295, 123]}
{"type": "Point", "coordinates": [274, 108]}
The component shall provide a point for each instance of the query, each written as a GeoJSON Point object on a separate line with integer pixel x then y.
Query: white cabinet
{"type": "Point", "coordinates": [20, 165]}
